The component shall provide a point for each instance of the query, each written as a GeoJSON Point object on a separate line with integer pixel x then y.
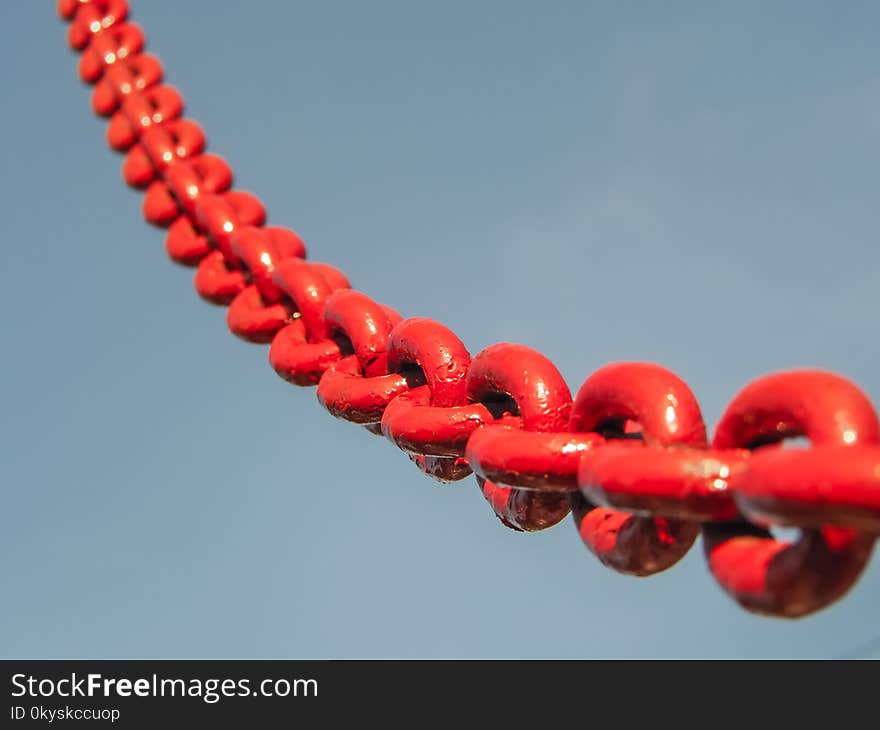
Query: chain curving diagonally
{"type": "Point", "coordinates": [628, 456]}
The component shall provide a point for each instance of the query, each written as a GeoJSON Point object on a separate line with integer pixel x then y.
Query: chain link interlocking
{"type": "Point", "coordinates": [628, 457]}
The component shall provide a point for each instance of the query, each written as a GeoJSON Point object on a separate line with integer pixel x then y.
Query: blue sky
{"type": "Point", "coordinates": [689, 183]}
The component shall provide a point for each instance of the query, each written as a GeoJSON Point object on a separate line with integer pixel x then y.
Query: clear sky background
{"type": "Point", "coordinates": [689, 183]}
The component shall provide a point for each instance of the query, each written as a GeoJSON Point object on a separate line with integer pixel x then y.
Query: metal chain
{"type": "Point", "coordinates": [628, 457]}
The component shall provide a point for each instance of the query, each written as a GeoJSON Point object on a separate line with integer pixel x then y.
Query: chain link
{"type": "Point", "coordinates": [628, 457]}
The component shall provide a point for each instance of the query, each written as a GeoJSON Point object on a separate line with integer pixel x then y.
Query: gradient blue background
{"type": "Point", "coordinates": [690, 183]}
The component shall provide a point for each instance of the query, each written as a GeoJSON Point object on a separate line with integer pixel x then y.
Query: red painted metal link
{"type": "Point", "coordinates": [159, 148]}
{"type": "Point", "coordinates": [302, 350]}
{"type": "Point", "coordinates": [114, 45]}
{"type": "Point", "coordinates": [253, 319]}
{"type": "Point", "coordinates": [218, 277]}
{"type": "Point", "coordinates": [515, 380]}
{"type": "Point", "coordinates": [138, 112]}
{"type": "Point", "coordinates": [260, 250]}
{"type": "Point", "coordinates": [812, 488]}
{"type": "Point", "coordinates": [260, 310]}
{"type": "Point", "coordinates": [666, 414]}
{"type": "Point", "coordinates": [188, 180]}
{"type": "Point", "coordinates": [184, 182]}
{"type": "Point", "coordinates": [89, 18]}
{"type": "Point", "coordinates": [543, 461]}
{"type": "Point", "coordinates": [432, 421]}
{"type": "Point", "coordinates": [631, 459]}
{"type": "Point", "coordinates": [216, 282]}
{"type": "Point", "coordinates": [358, 388]}
{"type": "Point", "coordinates": [678, 483]}
{"type": "Point", "coordinates": [218, 216]}
{"type": "Point", "coordinates": [348, 394]}
{"type": "Point", "coordinates": [359, 328]}
{"type": "Point", "coordinates": [184, 243]}
{"type": "Point", "coordinates": [125, 79]}
{"type": "Point", "coordinates": [770, 576]}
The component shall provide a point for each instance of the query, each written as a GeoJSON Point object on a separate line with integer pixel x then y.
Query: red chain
{"type": "Point", "coordinates": [628, 456]}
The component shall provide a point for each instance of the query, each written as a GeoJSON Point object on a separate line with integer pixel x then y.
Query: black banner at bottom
{"type": "Point", "coordinates": [240, 693]}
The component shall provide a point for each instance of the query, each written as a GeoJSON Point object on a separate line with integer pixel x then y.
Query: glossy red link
{"type": "Point", "coordinates": [529, 459]}
{"type": "Point", "coordinates": [184, 244]}
{"type": "Point", "coordinates": [638, 546]}
{"type": "Point", "coordinates": [124, 79]}
{"type": "Point", "coordinates": [219, 278]}
{"type": "Point", "coordinates": [216, 282]}
{"type": "Point", "coordinates": [822, 406]}
{"type": "Point", "coordinates": [520, 381]}
{"type": "Point", "coordinates": [113, 45]}
{"type": "Point", "coordinates": [307, 288]}
{"type": "Point", "coordinates": [431, 354]}
{"type": "Point", "coordinates": [253, 320]}
{"type": "Point", "coordinates": [346, 389]}
{"type": "Point", "coordinates": [184, 182]}
{"type": "Point", "coordinates": [417, 426]}
{"type": "Point", "coordinates": [154, 105]}
{"type": "Point", "coordinates": [333, 276]}
{"type": "Point", "coordinates": [524, 511]}
{"type": "Point", "coordinates": [789, 580]}
{"type": "Point", "coordinates": [761, 573]}
{"type": "Point", "coordinates": [90, 17]}
{"type": "Point", "coordinates": [261, 250]}
{"type": "Point", "coordinates": [431, 349]}
{"type": "Point", "coordinates": [218, 216]}
{"type": "Point", "coordinates": [302, 350]}
{"type": "Point", "coordinates": [645, 393]}
{"type": "Point", "coordinates": [432, 421]}
{"type": "Point", "coordinates": [359, 329]}
{"type": "Point", "coordinates": [813, 487]}
{"type": "Point", "coordinates": [518, 376]}
{"type": "Point", "coordinates": [261, 309]}
{"type": "Point", "coordinates": [545, 460]}
{"type": "Point", "coordinates": [681, 483]}
{"type": "Point", "coordinates": [187, 180]}
{"type": "Point", "coordinates": [348, 394]}
{"type": "Point", "coordinates": [667, 414]}
{"type": "Point", "coordinates": [685, 484]}
{"type": "Point", "coordinates": [160, 147]}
